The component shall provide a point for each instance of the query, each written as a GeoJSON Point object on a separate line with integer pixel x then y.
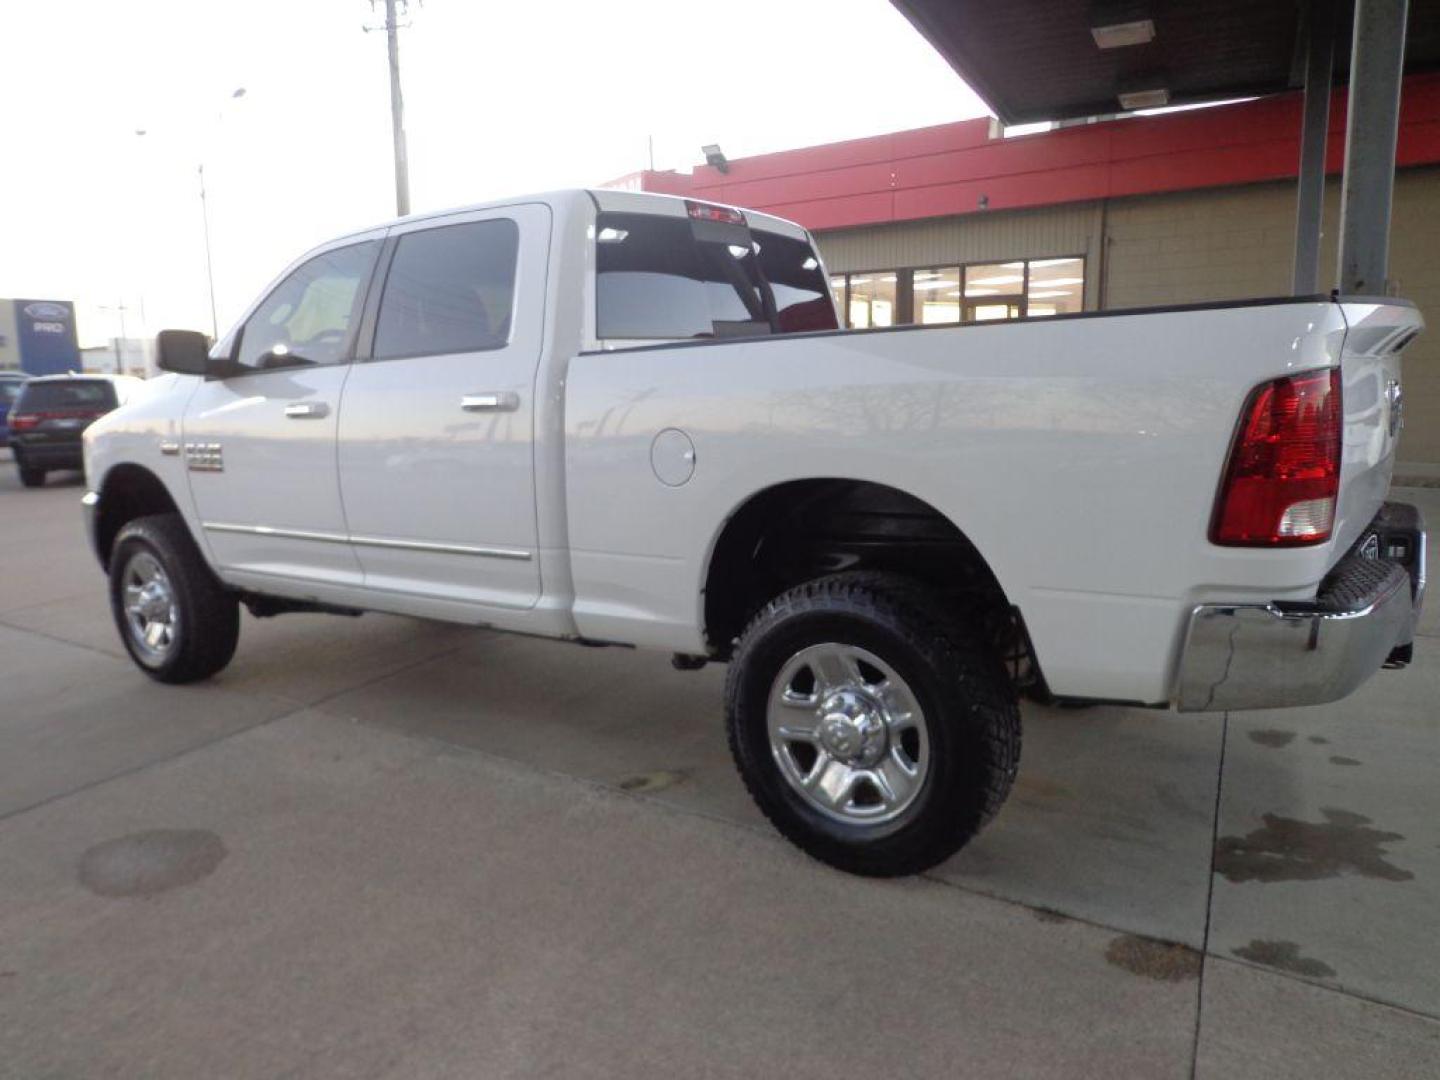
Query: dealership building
{"type": "Point", "coordinates": [959, 223]}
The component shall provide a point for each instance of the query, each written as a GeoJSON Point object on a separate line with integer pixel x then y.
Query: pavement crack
{"type": "Point", "coordinates": [1209, 897]}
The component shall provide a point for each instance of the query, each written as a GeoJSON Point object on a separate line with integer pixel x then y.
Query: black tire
{"type": "Point", "coordinates": [208, 616]}
{"type": "Point", "coordinates": [969, 712]}
{"type": "Point", "coordinates": [30, 476]}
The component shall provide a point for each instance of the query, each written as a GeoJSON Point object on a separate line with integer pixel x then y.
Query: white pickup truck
{"type": "Point", "coordinates": [631, 419]}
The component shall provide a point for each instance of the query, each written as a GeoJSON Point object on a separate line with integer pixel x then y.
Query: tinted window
{"type": "Point", "coordinates": [802, 295]}
{"type": "Point", "coordinates": [661, 277]}
{"type": "Point", "coordinates": [9, 388]}
{"type": "Point", "coordinates": [70, 394]}
{"type": "Point", "coordinates": [449, 290]}
{"type": "Point", "coordinates": [308, 317]}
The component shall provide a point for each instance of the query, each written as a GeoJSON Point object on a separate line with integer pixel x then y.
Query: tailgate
{"type": "Point", "coordinates": [1376, 332]}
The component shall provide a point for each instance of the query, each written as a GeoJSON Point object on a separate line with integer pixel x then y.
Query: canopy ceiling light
{"type": "Point", "coordinates": [1155, 98]}
{"type": "Point", "coordinates": [1123, 34]}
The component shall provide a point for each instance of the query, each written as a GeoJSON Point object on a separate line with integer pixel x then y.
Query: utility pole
{"type": "Point", "coordinates": [397, 110]}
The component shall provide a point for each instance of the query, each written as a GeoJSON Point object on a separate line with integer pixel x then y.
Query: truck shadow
{"type": "Point", "coordinates": [1111, 818]}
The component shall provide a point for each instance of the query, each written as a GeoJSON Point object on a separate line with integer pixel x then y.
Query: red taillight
{"type": "Point", "coordinates": [23, 422]}
{"type": "Point", "coordinates": [710, 212]}
{"type": "Point", "coordinates": [1283, 476]}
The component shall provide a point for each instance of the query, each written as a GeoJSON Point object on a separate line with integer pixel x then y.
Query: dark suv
{"type": "Point", "coordinates": [50, 414]}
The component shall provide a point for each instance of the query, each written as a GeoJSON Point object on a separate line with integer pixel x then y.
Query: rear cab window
{"type": "Point", "coordinates": [449, 290]}
{"type": "Point", "coordinates": [91, 394]}
{"type": "Point", "coordinates": [661, 278]}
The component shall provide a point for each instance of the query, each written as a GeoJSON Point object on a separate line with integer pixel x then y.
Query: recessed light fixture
{"type": "Point", "coordinates": [1122, 35]}
{"type": "Point", "coordinates": [1145, 99]}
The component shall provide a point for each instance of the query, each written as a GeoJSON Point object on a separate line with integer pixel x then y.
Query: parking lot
{"type": "Point", "coordinates": [378, 847]}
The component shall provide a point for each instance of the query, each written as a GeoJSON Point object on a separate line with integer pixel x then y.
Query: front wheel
{"type": "Point", "coordinates": [177, 621]}
{"type": "Point", "coordinates": [872, 730]}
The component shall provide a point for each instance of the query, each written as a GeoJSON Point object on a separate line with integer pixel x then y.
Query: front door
{"type": "Point", "coordinates": [436, 425]}
{"type": "Point", "coordinates": [259, 443]}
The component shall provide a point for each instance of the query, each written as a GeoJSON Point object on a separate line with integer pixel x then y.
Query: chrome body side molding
{"type": "Point", "coordinates": [369, 541]}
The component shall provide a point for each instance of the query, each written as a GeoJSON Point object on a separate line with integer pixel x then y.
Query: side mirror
{"type": "Point", "coordinates": [185, 352]}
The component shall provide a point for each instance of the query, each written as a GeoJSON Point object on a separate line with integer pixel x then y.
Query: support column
{"type": "Point", "coordinates": [1314, 132]}
{"type": "Point", "coordinates": [1370, 132]}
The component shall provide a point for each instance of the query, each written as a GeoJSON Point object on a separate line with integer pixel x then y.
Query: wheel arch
{"type": "Point", "coordinates": [128, 491]}
{"type": "Point", "coordinates": [799, 529]}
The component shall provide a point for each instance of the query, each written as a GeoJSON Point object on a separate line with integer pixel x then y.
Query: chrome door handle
{"type": "Point", "coordinates": [307, 410]}
{"type": "Point", "coordinates": [492, 401]}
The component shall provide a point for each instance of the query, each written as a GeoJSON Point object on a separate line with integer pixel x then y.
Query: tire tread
{"type": "Point", "coordinates": [905, 608]}
{"type": "Point", "coordinates": [210, 628]}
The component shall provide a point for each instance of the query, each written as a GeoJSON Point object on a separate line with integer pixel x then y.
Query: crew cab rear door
{"type": "Point", "coordinates": [436, 426]}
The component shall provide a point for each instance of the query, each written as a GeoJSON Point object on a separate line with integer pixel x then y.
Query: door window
{"type": "Point", "coordinates": [449, 290]}
{"type": "Point", "coordinates": [308, 318]}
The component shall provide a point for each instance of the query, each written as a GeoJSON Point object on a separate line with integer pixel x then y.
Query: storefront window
{"type": "Point", "coordinates": [979, 292]}
{"type": "Point", "coordinates": [1057, 287]}
{"type": "Point", "coordinates": [872, 299]}
{"type": "Point", "coordinates": [937, 295]}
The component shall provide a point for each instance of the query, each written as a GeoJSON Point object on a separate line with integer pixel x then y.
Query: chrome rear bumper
{"type": "Point", "coordinates": [1265, 656]}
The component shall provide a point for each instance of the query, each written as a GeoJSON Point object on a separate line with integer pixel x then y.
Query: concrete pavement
{"type": "Point", "coordinates": [383, 848]}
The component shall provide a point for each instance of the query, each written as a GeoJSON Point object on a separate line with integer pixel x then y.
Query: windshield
{"type": "Point", "coordinates": [665, 278]}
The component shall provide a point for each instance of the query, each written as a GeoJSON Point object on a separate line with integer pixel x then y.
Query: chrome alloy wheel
{"type": "Point", "coordinates": [152, 618]}
{"type": "Point", "coordinates": [848, 734]}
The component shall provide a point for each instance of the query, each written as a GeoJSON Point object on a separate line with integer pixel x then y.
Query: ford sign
{"type": "Point", "coordinates": [44, 309]}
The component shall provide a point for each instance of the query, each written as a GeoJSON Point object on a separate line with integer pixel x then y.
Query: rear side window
{"type": "Point", "coordinates": [449, 290]}
{"type": "Point", "coordinates": [664, 278]}
{"type": "Point", "coordinates": [802, 295]}
{"type": "Point", "coordinates": [71, 394]}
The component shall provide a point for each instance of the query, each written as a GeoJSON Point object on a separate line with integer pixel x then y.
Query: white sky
{"type": "Point", "coordinates": [501, 98]}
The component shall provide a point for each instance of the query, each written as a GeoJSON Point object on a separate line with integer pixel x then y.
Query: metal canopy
{"type": "Point", "coordinates": [1038, 59]}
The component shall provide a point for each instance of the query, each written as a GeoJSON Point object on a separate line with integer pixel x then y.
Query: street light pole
{"type": "Point", "coordinates": [235, 95]}
{"type": "Point", "coordinates": [209, 264]}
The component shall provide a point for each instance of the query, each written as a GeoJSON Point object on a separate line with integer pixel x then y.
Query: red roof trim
{"type": "Point", "coordinates": [945, 170]}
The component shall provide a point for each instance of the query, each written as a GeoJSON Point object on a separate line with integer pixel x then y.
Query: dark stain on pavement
{"type": "Point", "coordinates": [1162, 961]}
{"type": "Point", "coordinates": [648, 783]}
{"type": "Point", "coordinates": [1319, 740]}
{"type": "Point", "coordinates": [1337, 759]}
{"type": "Point", "coordinates": [1284, 956]}
{"type": "Point", "coordinates": [1285, 849]}
{"type": "Point", "coordinates": [147, 863]}
{"type": "Point", "coordinates": [1037, 787]}
{"type": "Point", "coordinates": [1272, 737]}
{"type": "Point", "coordinates": [1045, 915]}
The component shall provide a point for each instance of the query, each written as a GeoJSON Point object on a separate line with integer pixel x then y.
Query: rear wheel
{"type": "Point", "coordinates": [873, 731]}
{"type": "Point", "coordinates": [177, 621]}
{"type": "Point", "coordinates": [30, 476]}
